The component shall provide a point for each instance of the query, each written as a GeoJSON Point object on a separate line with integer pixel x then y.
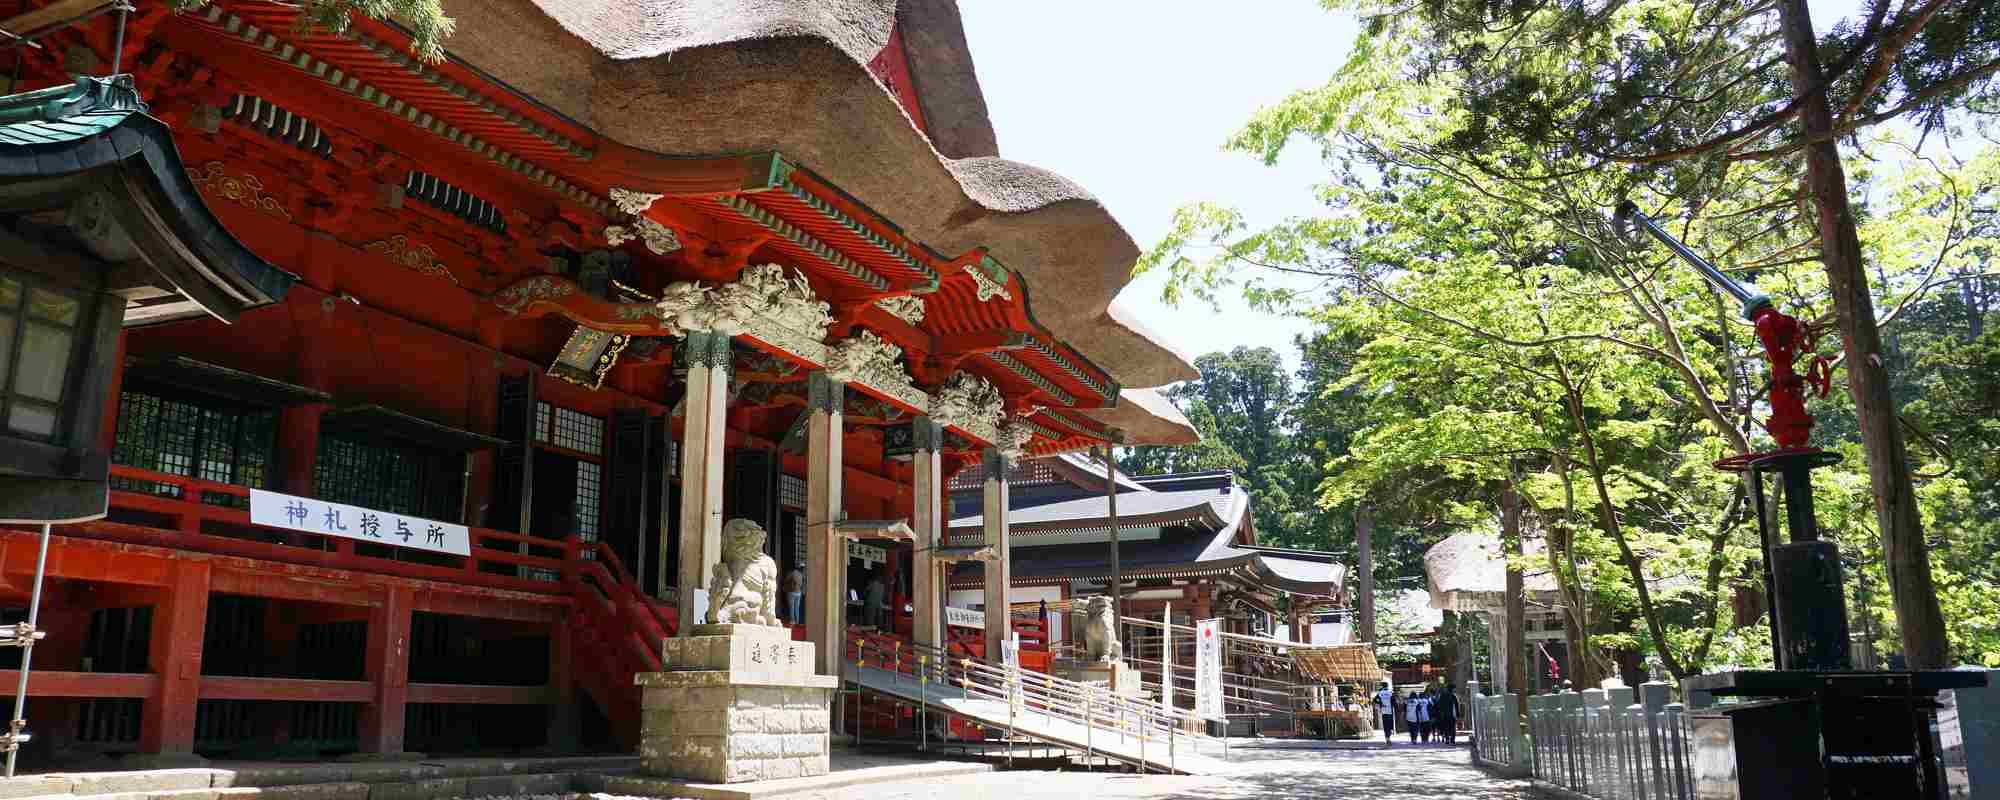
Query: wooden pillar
{"type": "Point", "coordinates": [707, 409]}
{"type": "Point", "coordinates": [927, 597]}
{"type": "Point", "coordinates": [826, 551]}
{"type": "Point", "coordinates": [166, 725]}
{"type": "Point", "coordinates": [387, 665]}
{"type": "Point", "coordinates": [108, 435]}
{"type": "Point", "coordinates": [298, 446]}
{"type": "Point", "coordinates": [1364, 597]}
{"type": "Point", "coordinates": [999, 572]}
{"type": "Point", "coordinates": [563, 729]}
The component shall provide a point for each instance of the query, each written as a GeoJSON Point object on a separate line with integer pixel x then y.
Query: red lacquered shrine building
{"type": "Point", "coordinates": [423, 389]}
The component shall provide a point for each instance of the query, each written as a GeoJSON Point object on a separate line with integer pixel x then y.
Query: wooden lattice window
{"type": "Point", "coordinates": [210, 441]}
{"type": "Point", "coordinates": [569, 429]}
{"type": "Point", "coordinates": [400, 479]}
{"type": "Point", "coordinates": [589, 499]}
{"type": "Point", "coordinates": [792, 492]}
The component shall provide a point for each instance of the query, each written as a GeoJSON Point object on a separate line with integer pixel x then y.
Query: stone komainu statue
{"type": "Point", "coordinates": [1100, 631]}
{"type": "Point", "coordinates": [745, 589]}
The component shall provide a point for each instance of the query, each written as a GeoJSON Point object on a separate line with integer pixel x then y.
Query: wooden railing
{"type": "Point", "coordinates": [211, 517]}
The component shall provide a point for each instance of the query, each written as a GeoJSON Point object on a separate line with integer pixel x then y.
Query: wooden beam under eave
{"type": "Point", "coordinates": [54, 15]}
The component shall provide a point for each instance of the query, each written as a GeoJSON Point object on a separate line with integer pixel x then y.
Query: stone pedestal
{"type": "Point", "coordinates": [1113, 676]}
{"type": "Point", "coordinates": [736, 703]}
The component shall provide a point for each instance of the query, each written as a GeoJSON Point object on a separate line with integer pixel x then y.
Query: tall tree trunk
{"type": "Point", "coordinates": [1903, 549]}
{"type": "Point", "coordinates": [1516, 637]}
{"type": "Point", "coordinates": [1364, 599]}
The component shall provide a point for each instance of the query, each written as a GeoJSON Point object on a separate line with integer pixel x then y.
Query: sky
{"type": "Point", "coordinates": [1134, 101]}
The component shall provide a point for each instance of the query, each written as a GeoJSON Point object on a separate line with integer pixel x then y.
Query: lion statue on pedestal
{"type": "Point", "coordinates": [1100, 631]}
{"type": "Point", "coordinates": [745, 589]}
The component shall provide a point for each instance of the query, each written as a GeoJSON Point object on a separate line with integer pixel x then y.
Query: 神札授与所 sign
{"type": "Point", "coordinates": [360, 524]}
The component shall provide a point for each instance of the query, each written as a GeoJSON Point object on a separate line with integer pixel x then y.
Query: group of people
{"type": "Point", "coordinates": [1429, 713]}
{"type": "Point", "coordinates": [874, 604]}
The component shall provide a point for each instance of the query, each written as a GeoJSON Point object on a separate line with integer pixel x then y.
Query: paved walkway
{"type": "Point", "coordinates": [1262, 773]}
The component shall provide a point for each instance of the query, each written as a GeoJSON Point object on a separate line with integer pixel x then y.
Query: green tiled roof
{"type": "Point", "coordinates": [68, 113]}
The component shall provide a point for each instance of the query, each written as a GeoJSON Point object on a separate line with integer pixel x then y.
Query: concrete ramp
{"type": "Point", "coordinates": [1112, 738]}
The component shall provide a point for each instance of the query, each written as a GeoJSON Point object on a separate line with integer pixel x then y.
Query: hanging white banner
{"type": "Point", "coordinates": [1010, 650]}
{"type": "Point", "coordinates": [964, 617]}
{"type": "Point", "coordinates": [308, 515]}
{"type": "Point", "coordinates": [1208, 669]}
{"type": "Point", "coordinates": [1167, 661]}
{"type": "Point", "coordinates": [869, 554]}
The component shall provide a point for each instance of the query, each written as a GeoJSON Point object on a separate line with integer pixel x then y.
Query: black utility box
{"type": "Point", "coordinates": [1820, 735]}
{"type": "Point", "coordinates": [1757, 750]}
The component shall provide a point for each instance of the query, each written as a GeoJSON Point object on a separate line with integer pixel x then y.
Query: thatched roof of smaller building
{"type": "Point", "coordinates": [1468, 572]}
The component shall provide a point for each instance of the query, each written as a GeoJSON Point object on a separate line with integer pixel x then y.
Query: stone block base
{"type": "Point", "coordinates": [735, 716]}
{"type": "Point", "coordinates": [1113, 676]}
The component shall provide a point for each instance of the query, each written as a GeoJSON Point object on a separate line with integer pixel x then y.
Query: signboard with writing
{"type": "Point", "coordinates": [1208, 669]}
{"type": "Point", "coordinates": [964, 617]}
{"type": "Point", "coordinates": [899, 441]}
{"type": "Point", "coordinates": [869, 554]}
{"type": "Point", "coordinates": [360, 524]}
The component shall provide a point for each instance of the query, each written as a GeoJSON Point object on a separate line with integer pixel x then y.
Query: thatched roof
{"type": "Point", "coordinates": [1147, 417]}
{"type": "Point", "coordinates": [718, 77]}
{"type": "Point", "coordinates": [1341, 663]}
{"type": "Point", "coordinates": [1468, 572]}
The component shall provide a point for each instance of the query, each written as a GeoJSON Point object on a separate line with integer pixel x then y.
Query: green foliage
{"type": "Point", "coordinates": [425, 19]}
{"type": "Point", "coordinates": [1480, 315]}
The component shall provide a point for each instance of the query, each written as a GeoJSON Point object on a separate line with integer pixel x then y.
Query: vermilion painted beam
{"type": "Point", "coordinates": [292, 587]}
{"type": "Point", "coordinates": [99, 560]}
{"type": "Point", "coordinates": [223, 687]}
{"type": "Point", "coordinates": [524, 608]}
{"type": "Point", "coordinates": [167, 723]}
{"type": "Point", "coordinates": [470, 694]}
{"type": "Point", "coordinates": [50, 683]}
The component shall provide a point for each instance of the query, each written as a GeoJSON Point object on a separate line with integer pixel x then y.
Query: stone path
{"type": "Point", "coordinates": [1274, 773]}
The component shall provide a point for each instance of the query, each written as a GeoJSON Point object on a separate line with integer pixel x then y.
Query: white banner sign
{"type": "Point", "coordinates": [964, 617]}
{"type": "Point", "coordinates": [360, 524]}
{"type": "Point", "coordinates": [1167, 665]}
{"type": "Point", "coordinates": [1208, 669]}
{"type": "Point", "coordinates": [1010, 651]}
{"type": "Point", "coordinates": [869, 554]}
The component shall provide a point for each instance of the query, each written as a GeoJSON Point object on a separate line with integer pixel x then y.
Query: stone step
{"type": "Point", "coordinates": [557, 783]}
{"type": "Point", "coordinates": [434, 779]}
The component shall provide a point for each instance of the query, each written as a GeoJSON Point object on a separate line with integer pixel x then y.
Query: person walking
{"type": "Point", "coordinates": [1385, 707]}
{"type": "Point", "coordinates": [877, 605]}
{"type": "Point", "coordinates": [795, 595]}
{"type": "Point", "coordinates": [1446, 714]}
{"type": "Point", "coordinates": [1413, 714]}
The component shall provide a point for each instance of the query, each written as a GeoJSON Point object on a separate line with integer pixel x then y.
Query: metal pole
{"type": "Point", "coordinates": [1117, 571]}
{"type": "Point", "coordinates": [27, 636]}
{"type": "Point", "coordinates": [117, 58]}
{"type": "Point", "coordinates": [923, 702]}
{"type": "Point", "coordinates": [1768, 542]}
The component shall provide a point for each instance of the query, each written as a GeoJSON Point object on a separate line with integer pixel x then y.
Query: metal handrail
{"type": "Point", "coordinates": [1053, 697]}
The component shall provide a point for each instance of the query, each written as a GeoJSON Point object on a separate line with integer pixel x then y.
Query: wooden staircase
{"type": "Point", "coordinates": [617, 630]}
